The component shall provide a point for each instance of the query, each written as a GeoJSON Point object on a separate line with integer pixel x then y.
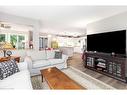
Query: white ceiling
{"type": "Point", "coordinates": [64, 18]}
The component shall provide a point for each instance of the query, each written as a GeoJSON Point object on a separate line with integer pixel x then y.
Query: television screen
{"type": "Point", "coordinates": [108, 42]}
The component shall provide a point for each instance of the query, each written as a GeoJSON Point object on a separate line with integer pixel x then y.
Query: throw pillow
{"type": "Point", "coordinates": [8, 68]}
{"type": "Point", "coordinates": [58, 55]}
{"type": "Point", "coordinates": [1, 75]}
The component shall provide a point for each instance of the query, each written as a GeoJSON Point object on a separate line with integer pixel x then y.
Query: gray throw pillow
{"type": "Point", "coordinates": [58, 55]}
{"type": "Point", "coordinates": [8, 68]}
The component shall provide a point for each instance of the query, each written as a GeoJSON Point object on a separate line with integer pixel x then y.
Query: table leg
{"type": "Point", "coordinates": [42, 77]}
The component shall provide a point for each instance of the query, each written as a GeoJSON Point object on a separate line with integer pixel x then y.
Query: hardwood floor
{"type": "Point", "coordinates": [77, 62]}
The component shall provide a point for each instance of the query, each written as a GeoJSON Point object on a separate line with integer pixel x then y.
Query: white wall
{"type": "Point", "coordinates": [79, 48]}
{"type": "Point", "coordinates": [36, 24]}
{"type": "Point", "coordinates": [117, 22]}
{"type": "Point", "coordinates": [113, 23]}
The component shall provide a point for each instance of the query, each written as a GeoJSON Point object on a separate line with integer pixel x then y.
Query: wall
{"type": "Point", "coordinates": [81, 43]}
{"type": "Point", "coordinates": [65, 41]}
{"type": "Point", "coordinates": [36, 24]}
{"type": "Point", "coordinates": [113, 23]}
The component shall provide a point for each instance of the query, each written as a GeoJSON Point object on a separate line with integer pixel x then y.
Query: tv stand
{"type": "Point", "coordinates": [113, 66]}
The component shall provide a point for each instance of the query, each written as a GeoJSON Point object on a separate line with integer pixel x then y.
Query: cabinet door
{"type": "Point", "coordinates": [116, 68]}
{"type": "Point", "coordinates": [118, 72]}
{"type": "Point", "coordinates": [110, 67]}
{"type": "Point", "coordinates": [120, 68]}
{"type": "Point", "coordinates": [90, 61]}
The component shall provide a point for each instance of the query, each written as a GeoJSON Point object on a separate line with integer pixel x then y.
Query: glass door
{"type": "Point", "coordinates": [43, 42]}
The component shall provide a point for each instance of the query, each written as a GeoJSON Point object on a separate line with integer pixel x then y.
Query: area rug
{"type": "Point", "coordinates": [80, 77]}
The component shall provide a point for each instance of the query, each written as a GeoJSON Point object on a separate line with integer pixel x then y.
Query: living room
{"type": "Point", "coordinates": [57, 36]}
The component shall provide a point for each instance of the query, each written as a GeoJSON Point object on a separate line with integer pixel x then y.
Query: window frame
{"type": "Point", "coordinates": [8, 38]}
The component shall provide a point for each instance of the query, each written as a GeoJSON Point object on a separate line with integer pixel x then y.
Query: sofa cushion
{"type": "Point", "coordinates": [36, 55]}
{"type": "Point", "coordinates": [41, 63]}
{"type": "Point", "coordinates": [20, 80]}
{"type": "Point", "coordinates": [22, 66]}
{"type": "Point", "coordinates": [58, 55]}
{"type": "Point", "coordinates": [21, 53]}
{"type": "Point", "coordinates": [8, 68]}
{"type": "Point", "coordinates": [50, 54]}
{"type": "Point", "coordinates": [56, 61]}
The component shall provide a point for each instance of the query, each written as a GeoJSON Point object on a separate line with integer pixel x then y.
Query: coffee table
{"type": "Point", "coordinates": [56, 79]}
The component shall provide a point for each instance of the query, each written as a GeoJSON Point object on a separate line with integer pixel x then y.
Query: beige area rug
{"type": "Point", "coordinates": [78, 76]}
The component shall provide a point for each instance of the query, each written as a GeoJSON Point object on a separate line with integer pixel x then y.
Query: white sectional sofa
{"type": "Point", "coordinates": [19, 80]}
{"type": "Point", "coordinates": [38, 60]}
{"type": "Point", "coordinates": [34, 61]}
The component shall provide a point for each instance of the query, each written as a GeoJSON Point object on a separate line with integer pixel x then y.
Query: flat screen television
{"type": "Point", "coordinates": [108, 42]}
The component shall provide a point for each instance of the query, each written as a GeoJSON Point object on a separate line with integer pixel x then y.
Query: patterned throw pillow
{"type": "Point", "coordinates": [8, 68]}
{"type": "Point", "coordinates": [1, 75]}
{"type": "Point", "coordinates": [58, 55]}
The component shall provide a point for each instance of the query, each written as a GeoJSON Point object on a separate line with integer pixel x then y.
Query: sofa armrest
{"type": "Point", "coordinates": [65, 57]}
{"type": "Point", "coordinates": [22, 66]}
{"type": "Point", "coordinates": [28, 60]}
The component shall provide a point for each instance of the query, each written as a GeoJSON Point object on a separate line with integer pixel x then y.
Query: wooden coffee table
{"type": "Point", "coordinates": [56, 79]}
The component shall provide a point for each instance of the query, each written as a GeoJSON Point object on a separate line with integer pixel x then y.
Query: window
{"type": "Point", "coordinates": [43, 42]}
{"type": "Point", "coordinates": [13, 40]}
{"type": "Point", "coordinates": [17, 40]}
{"type": "Point", "coordinates": [2, 37]}
{"type": "Point", "coordinates": [21, 42]}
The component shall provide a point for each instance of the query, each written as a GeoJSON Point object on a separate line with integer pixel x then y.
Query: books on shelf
{"type": "Point", "coordinates": [90, 61]}
{"type": "Point", "coordinates": [101, 64]}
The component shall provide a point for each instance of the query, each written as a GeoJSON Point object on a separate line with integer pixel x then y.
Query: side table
{"type": "Point", "coordinates": [17, 58]}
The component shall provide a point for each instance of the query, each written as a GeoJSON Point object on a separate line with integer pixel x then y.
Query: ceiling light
{"type": "Point", "coordinates": [49, 36]}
